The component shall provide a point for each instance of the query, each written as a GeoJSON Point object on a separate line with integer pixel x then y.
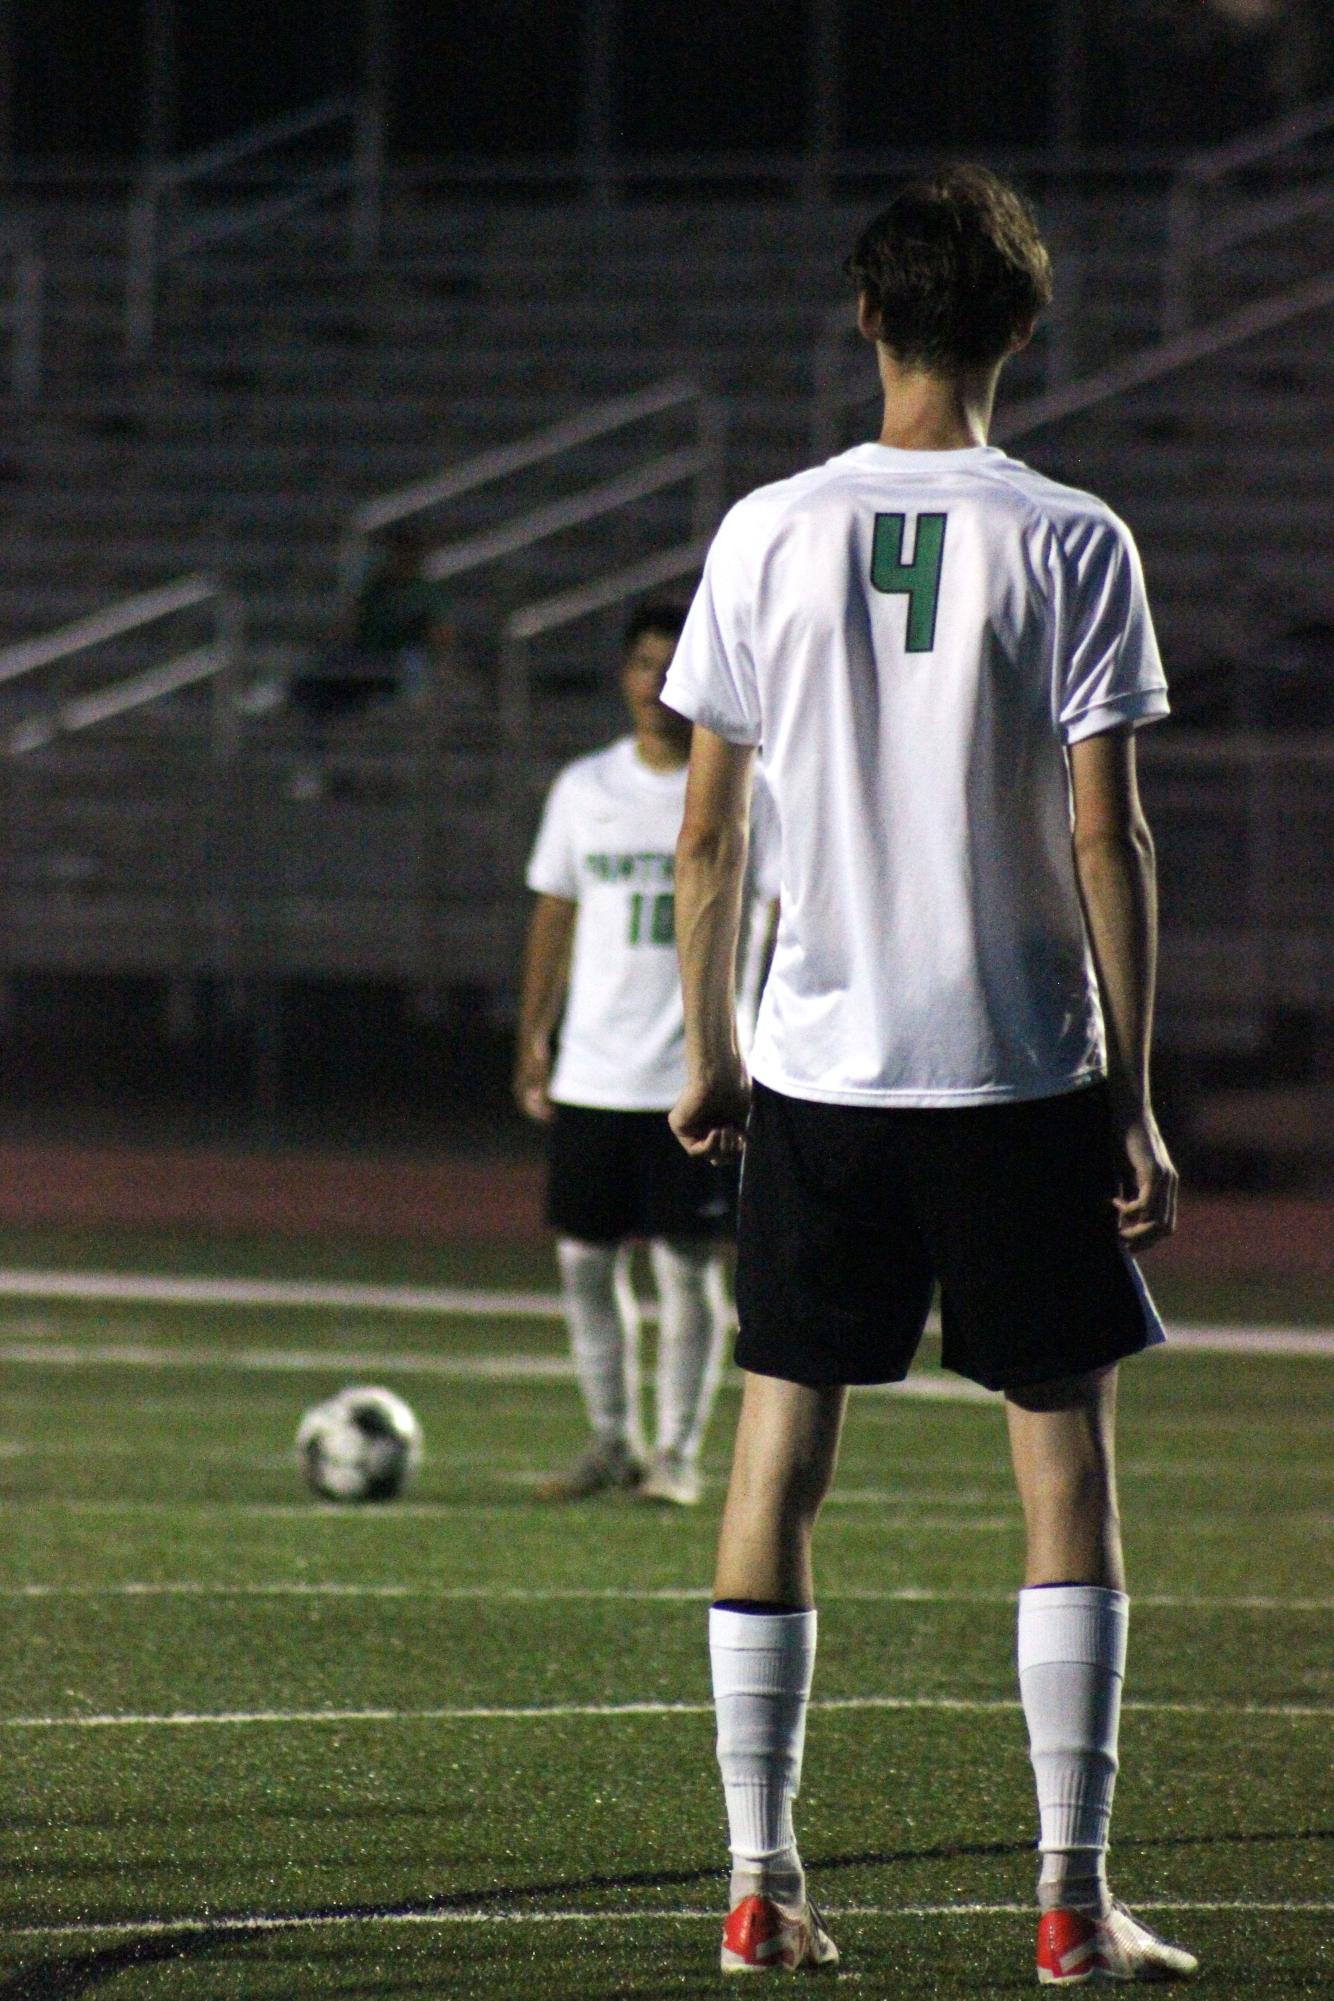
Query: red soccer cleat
{"type": "Point", "coordinates": [761, 1936]}
{"type": "Point", "coordinates": [1075, 1947]}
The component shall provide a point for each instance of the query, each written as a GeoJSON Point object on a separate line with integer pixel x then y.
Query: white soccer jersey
{"type": "Point", "coordinates": [607, 842]}
{"type": "Point", "coordinates": [912, 638]}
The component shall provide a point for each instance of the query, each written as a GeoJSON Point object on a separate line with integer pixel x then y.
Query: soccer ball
{"type": "Point", "coordinates": [360, 1445]}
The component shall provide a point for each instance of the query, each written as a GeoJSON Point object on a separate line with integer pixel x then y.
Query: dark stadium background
{"type": "Point", "coordinates": [508, 78]}
{"type": "Point", "coordinates": [90, 95]}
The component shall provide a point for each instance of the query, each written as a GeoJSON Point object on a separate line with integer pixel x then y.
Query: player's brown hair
{"type": "Point", "coordinates": [954, 269]}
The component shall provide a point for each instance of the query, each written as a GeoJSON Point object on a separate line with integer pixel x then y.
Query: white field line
{"type": "Point", "coordinates": [286, 1361]}
{"type": "Point", "coordinates": [474, 1303]}
{"type": "Point", "coordinates": [297, 1921]}
{"type": "Point", "coordinates": [667, 1594]}
{"type": "Point", "coordinates": [505, 1368]}
{"type": "Point", "coordinates": [496, 1368]}
{"type": "Point", "coordinates": [1251, 1340]}
{"type": "Point", "coordinates": [146, 1288]}
{"type": "Point", "coordinates": [565, 1711]}
{"type": "Point", "coordinates": [909, 1523]}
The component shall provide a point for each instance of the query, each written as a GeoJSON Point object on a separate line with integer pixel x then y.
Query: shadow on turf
{"type": "Point", "coordinates": [62, 1979]}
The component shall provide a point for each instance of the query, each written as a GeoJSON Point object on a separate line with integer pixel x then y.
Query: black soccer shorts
{"type": "Point", "coordinates": [613, 1175]}
{"type": "Point", "coordinates": [851, 1216]}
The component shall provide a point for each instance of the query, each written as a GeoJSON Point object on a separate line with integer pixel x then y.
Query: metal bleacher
{"type": "Point", "coordinates": [290, 387]}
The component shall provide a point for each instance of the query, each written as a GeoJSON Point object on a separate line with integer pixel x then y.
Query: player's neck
{"type": "Point", "coordinates": [925, 412]}
{"type": "Point", "coordinates": [661, 753]}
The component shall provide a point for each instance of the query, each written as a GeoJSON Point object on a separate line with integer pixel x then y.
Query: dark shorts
{"type": "Point", "coordinates": [851, 1216]}
{"type": "Point", "coordinates": [613, 1175]}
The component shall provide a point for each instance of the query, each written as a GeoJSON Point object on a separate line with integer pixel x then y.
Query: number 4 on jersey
{"type": "Point", "coordinates": [919, 580]}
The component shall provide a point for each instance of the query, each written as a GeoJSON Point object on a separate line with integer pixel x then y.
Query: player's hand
{"type": "Point", "coordinates": [1146, 1210]}
{"type": "Point", "coordinates": [709, 1118]}
{"type": "Point", "coordinates": [532, 1076]}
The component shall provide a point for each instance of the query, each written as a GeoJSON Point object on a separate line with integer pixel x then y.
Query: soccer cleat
{"type": "Point", "coordinates": [605, 1468]}
{"type": "Point", "coordinates": [1075, 1947]}
{"type": "Point", "coordinates": [761, 1936]}
{"type": "Point", "coordinates": [672, 1479]}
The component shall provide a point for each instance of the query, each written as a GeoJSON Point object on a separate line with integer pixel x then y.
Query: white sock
{"type": "Point", "coordinates": [692, 1299]}
{"type": "Point", "coordinates": [1072, 1659]}
{"type": "Point", "coordinates": [603, 1319]}
{"type": "Point", "coordinates": [762, 1666]}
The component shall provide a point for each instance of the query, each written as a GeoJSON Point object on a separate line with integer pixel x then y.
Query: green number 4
{"type": "Point", "coordinates": [919, 580]}
{"type": "Point", "coordinates": [661, 912]}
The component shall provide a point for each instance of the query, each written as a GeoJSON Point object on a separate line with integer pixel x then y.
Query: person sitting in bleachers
{"type": "Point", "coordinates": [396, 638]}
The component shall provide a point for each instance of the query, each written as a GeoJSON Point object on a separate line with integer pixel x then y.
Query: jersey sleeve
{"type": "Point", "coordinates": [553, 866]}
{"type": "Point", "coordinates": [712, 676]}
{"type": "Point", "coordinates": [1109, 674]}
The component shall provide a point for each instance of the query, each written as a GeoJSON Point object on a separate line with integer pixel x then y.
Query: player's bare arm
{"type": "Point", "coordinates": [709, 1118]}
{"type": "Point", "coordinates": [546, 971]}
{"type": "Point", "coordinates": [1114, 864]}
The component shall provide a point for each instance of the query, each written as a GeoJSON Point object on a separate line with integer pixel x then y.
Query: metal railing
{"type": "Point", "coordinates": [833, 396]}
{"type": "Point", "coordinates": [160, 231]}
{"type": "Point", "coordinates": [1155, 363]}
{"type": "Point", "coordinates": [702, 464]}
{"type": "Point", "coordinates": [1243, 822]}
{"type": "Point", "coordinates": [1191, 237]}
{"type": "Point", "coordinates": [22, 312]}
{"type": "Point", "coordinates": [532, 621]}
{"type": "Point", "coordinates": [214, 662]}
{"type": "Point", "coordinates": [1188, 239]}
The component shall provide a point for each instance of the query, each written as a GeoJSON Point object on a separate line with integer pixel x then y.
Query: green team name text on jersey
{"type": "Point", "coordinates": [648, 869]}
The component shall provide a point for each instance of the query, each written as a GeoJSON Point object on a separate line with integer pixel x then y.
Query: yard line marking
{"type": "Point", "coordinates": [146, 1288]}
{"type": "Point", "coordinates": [286, 1361]}
{"type": "Point", "coordinates": [666, 1594]}
{"type": "Point", "coordinates": [908, 1522]}
{"type": "Point", "coordinates": [563, 1711]}
{"type": "Point", "coordinates": [497, 1368]}
{"type": "Point", "coordinates": [509, 1367]}
{"type": "Point", "coordinates": [306, 1921]}
{"type": "Point", "coordinates": [1251, 1340]}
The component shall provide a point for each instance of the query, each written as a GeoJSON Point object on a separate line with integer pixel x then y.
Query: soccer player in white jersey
{"type": "Point", "coordinates": [941, 658]}
{"type": "Point", "coordinates": [601, 948]}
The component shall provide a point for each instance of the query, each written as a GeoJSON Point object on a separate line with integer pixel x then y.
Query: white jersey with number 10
{"type": "Point", "coordinates": [607, 842]}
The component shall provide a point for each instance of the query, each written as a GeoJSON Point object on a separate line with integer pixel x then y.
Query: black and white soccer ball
{"type": "Point", "coordinates": [360, 1445]}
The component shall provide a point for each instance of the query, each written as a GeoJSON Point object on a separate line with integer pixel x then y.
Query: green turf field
{"type": "Point", "coordinates": [460, 1746]}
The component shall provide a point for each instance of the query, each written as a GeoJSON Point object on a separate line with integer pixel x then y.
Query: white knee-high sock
{"type": "Point", "coordinates": [692, 1297]}
{"type": "Point", "coordinates": [1072, 1658]}
{"type": "Point", "coordinates": [762, 1665]}
{"type": "Point", "coordinates": [603, 1319]}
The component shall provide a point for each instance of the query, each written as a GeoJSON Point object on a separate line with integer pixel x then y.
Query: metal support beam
{"type": "Point", "coordinates": [371, 128]}
{"type": "Point", "coordinates": [824, 127]}
{"type": "Point", "coordinates": [8, 143]}
{"type": "Point", "coordinates": [597, 122]}
{"type": "Point", "coordinates": [1069, 73]}
{"type": "Point", "coordinates": [161, 84]}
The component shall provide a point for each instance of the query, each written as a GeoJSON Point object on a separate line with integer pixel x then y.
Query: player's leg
{"type": "Point", "coordinates": [587, 1209]}
{"type": "Point", "coordinates": [687, 1208]}
{"type": "Point", "coordinates": [1063, 1444]}
{"type": "Point", "coordinates": [603, 1320]}
{"type": "Point", "coordinates": [762, 1648]}
{"type": "Point", "coordinates": [1072, 1623]}
{"type": "Point", "coordinates": [692, 1329]}
{"type": "Point", "coordinates": [833, 1286]}
{"type": "Point", "coordinates": [1073, 1618]}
